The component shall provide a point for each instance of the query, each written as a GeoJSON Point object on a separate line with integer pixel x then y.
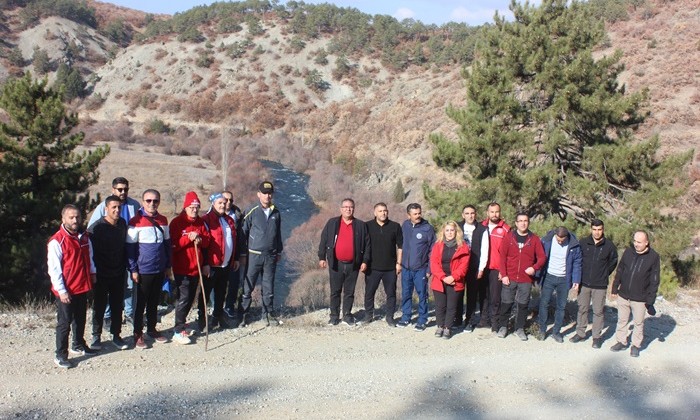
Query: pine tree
{"type": "Point", "coordinates": [547, 129]}
{"type": "Point", "coordinates": [40, 172]}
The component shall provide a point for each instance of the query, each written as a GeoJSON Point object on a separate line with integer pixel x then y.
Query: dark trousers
{"type": "Point", "coordinates": [217, 281]}
{"type": "Point", "coordinates": [108, 290]}
{"type": "Point", "coordinates": [388, 279]}
{"type": "Point", "coordinates": [476, 292]}
{"type": "Point", "coordinates": [494, 298]}
{"type": "Point", "coordinates": [446, 306]}
{"type": "Point", "coordinates": [70, 316]}
{"type": "Point", "coordinates": [520, 294]}
{"type": "Point", "coordinates": [147, 297]}
{"type": "Point", "coordinates": [186, 287]}
{"type": "Point", "coordinates": [234, 285]}
{"type": "Point", "coordinates": [259, 265]}
{"type": "Point", "coordinates": [343, 282]}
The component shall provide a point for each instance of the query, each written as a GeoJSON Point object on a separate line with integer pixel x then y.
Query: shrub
{"type": "Point", "coordinates": [156, 126]}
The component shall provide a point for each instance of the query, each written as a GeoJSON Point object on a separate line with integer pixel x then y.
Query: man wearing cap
{"type": "Point", "coordinates": [127, 209]}
{"type": "Point", "coordinates": [188, 231]}
{"type": "Point", "coordinates": [261, 249]}
{"type": "Point", "coordinates": [222, 253]}
{"type": "Point", "coordinates": [72, 273]}
{"type": "Point", "coordinates": [234, 278]}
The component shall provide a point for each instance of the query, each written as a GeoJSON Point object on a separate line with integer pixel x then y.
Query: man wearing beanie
{"type": "Point", "coordinates": [186, 231]}
{"type": "Point", "coordinates": [261, 247]}
{"type": "Point", "coordinates": [222, 255]}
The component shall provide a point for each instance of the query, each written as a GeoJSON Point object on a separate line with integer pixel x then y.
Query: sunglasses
{"type": "Point", "coordinates": [152, 200]}
{"type": "Point", "coordinates": [122, 189]}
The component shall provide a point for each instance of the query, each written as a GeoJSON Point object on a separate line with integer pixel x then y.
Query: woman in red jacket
{"type": "Point", "coordinates": [449, 261]}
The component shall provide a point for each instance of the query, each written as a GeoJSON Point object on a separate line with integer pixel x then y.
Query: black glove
{"type": "Point", "coordinates": [651, 310]}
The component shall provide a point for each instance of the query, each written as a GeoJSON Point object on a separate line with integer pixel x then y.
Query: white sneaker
{"type": "Point", "coordinates": [182, 337]}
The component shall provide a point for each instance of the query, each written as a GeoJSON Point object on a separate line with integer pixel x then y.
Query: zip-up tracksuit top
{"type": "Point", "coordinates": [184, 254]}
{"type": "Point", "coordinates": [148, 246]}
{"type": "Point", "coordinates": [260, 234]}
{"type": "Point", "coordinates": [637, 276]}
{"type": "Point", "coordinates": [496, 237]}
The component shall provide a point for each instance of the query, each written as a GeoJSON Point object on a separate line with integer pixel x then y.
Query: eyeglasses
{"type": "Point", "coordinates": [122, 189]}
{"type": "Point", "coordinates": [347, 207]}
{"type": "Point", "coordinates": [152, 200]}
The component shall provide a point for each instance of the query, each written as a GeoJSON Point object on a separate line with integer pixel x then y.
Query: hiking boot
{"type": "Point", "coordinates": [349, 320]}
{"type": "Point", "coordinates": [333, 321]}
{"type": "Point", "coordinates": [634, 351]}
{"type": "Point", "coordinates": [502, 332]}
{"type": "Point", "coordinates": [576, 338]}
{"type": "Point", "coordinates": [62, 362]}
{"type": "Point", "coordinates": [390, 322]}
{"type": "Point", "coordinates": [521, 334]}
{"type": "Point", "coordinates": [597, 343]}
{"type": "Point", "coordinates": [618, 347]}
{"type": "Point", "coordinates": [139, 342]}
{"type": "Point", "coordinates": [403, 324]}
{"type": "Point", "coordinates": [447, 334]}
{"type": "Point", "coordinates": [158, 337]}
{"type": "Point", "coordinates": [439, 332]}
{"type": "Point", "coordinates": [419, 327]}
{"type": "Point", "coordinates": [558, 338]}
{"type": "Point", "coordinates": [81, 350]}
{"type": "Point", "coordinates": [119, 343]}
{"type": "Point", "coordinates": [96, 343]}
{"type": "Point", "coordinates": [182, 337]}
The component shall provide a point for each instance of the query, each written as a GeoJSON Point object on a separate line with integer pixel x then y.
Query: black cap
{"type": "Point", "coordinates": [266, 187]}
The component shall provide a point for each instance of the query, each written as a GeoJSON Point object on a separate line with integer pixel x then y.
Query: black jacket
{"type": "Point", "coordinates": [361, 245]}
{"type": "Point", "coordinates": [261, 234]}
{"type": "Point", "coordinates": [599, 262]}
{"type": "Point", "coordinates": [637, 276]}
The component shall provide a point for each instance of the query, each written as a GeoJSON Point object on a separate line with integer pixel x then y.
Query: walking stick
{"type": "Point", "coordinates": [204, 299]}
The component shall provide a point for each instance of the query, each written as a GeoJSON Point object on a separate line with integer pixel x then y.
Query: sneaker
{"type": "Point", "coordinates": [62, 362]}
{"type": "Point", "coordinates": [390, 322]}
{"type": "Point", "coordinates": [618, 347]}
{"type": "Point", "coordinates": [119, 343]}
{"type": "Point", "coordinates": [597, 343]}
{"type": "Point", "coordinates": [230, 313]}
{"type": "Point", "coordinates": [419, 327]}
{"type": "Point", "coordinates": [469, 328]}
{"type": "Point", "coordinates": [369, 317]}
{"type": "Point", "coordinates": [96, 343]}
{"type": "Point", "coordinates": [273, 319]}
{"type": "Point", "coordinates": [439, 332]}
{"type": "Point", "coordinates": [333, 321]}
{"type": "Point", "coordinates": [139, 342]}
{"type": "Point", "coordinates": [502, 332]}
{"type": "Point", "coordinates": [521, 334]}
{"type": "Point", "coordinates": [558, 338]}
{"type": "Point", "coordinates": [634, 351]}
{"type": "Point", "coordinates": [576, 338]}
{"type": "Point", "coordinates": [447, 334]}
{"type": "Point", "coordinates": [349, 320]}
{"type": "Point", "coordinates": [81, 350]}
{"type": "Point", "coordinates": [158, 337]}
{"type": "Point", "coordinates": [403, 324]}
{"type": "Point", "coordinates": [213, 322]}
{"type": "Point", "coordinates": [182, 337]}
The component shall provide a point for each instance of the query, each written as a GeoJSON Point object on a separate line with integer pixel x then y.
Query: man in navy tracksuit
{"type": "Point", "coordinates": [418, 240]}
{"type": "Point", "coordinates": [261, 248]}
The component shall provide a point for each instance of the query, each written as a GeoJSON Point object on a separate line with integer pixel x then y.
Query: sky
{"type": "Point", "coordinates": [472, 12]}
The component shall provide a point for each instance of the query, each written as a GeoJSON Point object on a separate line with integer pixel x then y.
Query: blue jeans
{"type": "Point", "coordinates": [411, 279]}
{"type": "Point", "coordinates": [552, 284]}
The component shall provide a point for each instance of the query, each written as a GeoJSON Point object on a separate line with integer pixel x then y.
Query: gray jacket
{"type": "Point", "coordinates": [261, 234]}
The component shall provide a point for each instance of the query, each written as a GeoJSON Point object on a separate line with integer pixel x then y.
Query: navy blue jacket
{"type": "Point", "coordinates": [573, 257]}
{"type": "Point", "coordinates": [418, 240]}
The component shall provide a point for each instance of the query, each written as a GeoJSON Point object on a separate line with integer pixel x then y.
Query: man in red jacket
{"type": "Point", "coordinates": [186, 231]}
{"type": "Point", "coordinates": [498, 229]}
{"type": "Point", "coordinates": [222, 254]}
{"type": "Point", "coordinates": [522, 254]}
{"type": "Point", "coordinates": [72, 273]}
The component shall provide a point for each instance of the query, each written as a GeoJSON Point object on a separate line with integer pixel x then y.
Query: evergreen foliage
{"type": "Point", "coordinates": [71, 81]}
{"type": "Point", "coordinates": [41, 61]}
{"type": "Point", "coordinates": [40, 172]}
{"type": "Point", "coordinates": [548, 130]}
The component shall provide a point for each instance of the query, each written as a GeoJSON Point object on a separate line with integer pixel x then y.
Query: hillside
{"type": "Point", "coordinates": [262, 78]}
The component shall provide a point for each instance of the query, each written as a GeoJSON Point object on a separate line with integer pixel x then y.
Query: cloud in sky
{"type": "Point", "coordinates": [478, 16]}
{"type": "Point", "coordinates": [404, 13]}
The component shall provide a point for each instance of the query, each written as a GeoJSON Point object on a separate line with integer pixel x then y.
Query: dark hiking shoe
{"type": "Point", "coordinates": [62, 362]}
{"type": "Point", "coordinates": [597, 343]}
{"type": "Point", "coordinates": [558, 338]}
{"type": "Point", "coordinates": [576, 338]}
{"type": "Point", "coordinates": [119, 343]}
{"type": "Point", "coordinates": [618, 347]}
{"type": "Point", "coordinates": [634, 351]}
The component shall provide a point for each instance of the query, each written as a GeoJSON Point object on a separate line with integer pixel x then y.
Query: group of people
{"type": "Point", "coordinates": [490, 265]}
{"type": "Point", "coordinates": [129, 252]}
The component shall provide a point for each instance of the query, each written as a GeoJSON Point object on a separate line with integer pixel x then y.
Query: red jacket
{"type": "Point", "coordinates": [458, 266]}
{"type": "Point", "coordinates": [75, 261]}
{"type": "Point", "coordinates": [495, 239]}
{"type": "Point", "coordinates": [215, 252]}
{"type": "Point", "coordinates": [184, 261]}
{"type": "Point", "coordinates": [515, 260]}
